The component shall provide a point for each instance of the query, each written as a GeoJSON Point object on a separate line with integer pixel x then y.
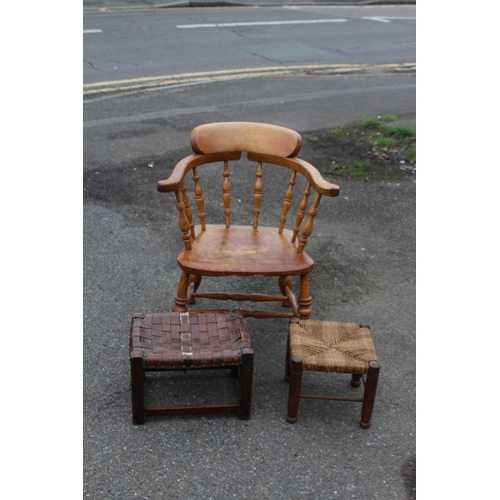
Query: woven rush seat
{"type": "Point", "coordinates": [332, 347]}
{"type": "Point", "coordinates": [190, 341]}
{"type": "Point", "coordinates": [327, 346]}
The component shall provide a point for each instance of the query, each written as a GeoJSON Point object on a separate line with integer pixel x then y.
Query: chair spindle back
{"type": "Point", "coordinates": [265, 144]}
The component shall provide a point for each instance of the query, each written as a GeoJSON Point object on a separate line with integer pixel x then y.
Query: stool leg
{"type": "Point", "coordinates": [369, 397]}
{"type": "Point", "coordinates": [356, 380]}
{"type": "Point", "coordinates": [294, 389]}
{"type": "Point", "coordinates": [137, 391]}
{"type": "Point", "coordinates": [246, 380]}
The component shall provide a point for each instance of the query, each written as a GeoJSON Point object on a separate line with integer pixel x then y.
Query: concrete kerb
{"type": "Point", "coordinates": [127, 5]}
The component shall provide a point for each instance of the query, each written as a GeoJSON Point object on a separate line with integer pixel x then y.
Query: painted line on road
{"type": "Point", "coordinates": [387, 19]}
{"type": "Point", "coordinates": [270, 101]}
{"type": "Point", "coordinates": [235, 74]}
{"type": "Point", "coordinates": [260, 23]}
{"type": "Point", "coordinates": [92, 31]}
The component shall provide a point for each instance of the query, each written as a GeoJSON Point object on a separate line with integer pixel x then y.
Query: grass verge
{"type": "Point", "coordinates": [378, 148]}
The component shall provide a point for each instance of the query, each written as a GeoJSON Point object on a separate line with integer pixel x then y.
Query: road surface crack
{"type": "Point", "coordinates": [90, 64]}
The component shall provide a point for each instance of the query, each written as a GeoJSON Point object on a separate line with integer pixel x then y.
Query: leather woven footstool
{"type": "Point", "coordinates": [190, 341]}
{"type": "Point", "coordinates": [331, 347]}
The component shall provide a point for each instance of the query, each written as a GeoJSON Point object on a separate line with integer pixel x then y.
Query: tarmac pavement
{"type": "Point", "coordinates": [364, 248]}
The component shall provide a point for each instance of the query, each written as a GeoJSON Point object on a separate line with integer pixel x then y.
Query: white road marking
{"type": "Point", "coordinates": [386, 19]}
{"type": "Point", "coordinates": [379, 19]}
{"type": "Point", "coordinates": [261, 23]}
{"type": "Point", "coordinates": [92, 31]}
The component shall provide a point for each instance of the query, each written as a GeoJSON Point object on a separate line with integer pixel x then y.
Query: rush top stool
{"type": "Point", "coordinates": [331, 347]}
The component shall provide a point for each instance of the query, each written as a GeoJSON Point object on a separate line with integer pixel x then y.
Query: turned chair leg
{"type": "Point", "coordinates": [283, 282]}
{"type": "Point", "coordinates": [369, 397]}
{"type": "Point", "coordinates": [246, 380]}
{"type": "Point", "coordinates": [137, 391]}
{"type": "Point", "coordinates": [294, 389]}
{"type": "Point", "coordinates": [181, 300]}
{"type": "Point", "coordinates": [196, 280]}
{"type": "Point", "coordinates": [305, 299]}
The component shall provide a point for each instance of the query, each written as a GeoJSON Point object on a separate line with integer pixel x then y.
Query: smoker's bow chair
{"type": "Point", "coordinates": [229, 250]}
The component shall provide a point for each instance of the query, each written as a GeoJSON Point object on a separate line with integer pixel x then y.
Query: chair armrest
{"type": "Point", "coordinates": [310, 172]}
{"type": "Point", "coordinates": [174, 182]}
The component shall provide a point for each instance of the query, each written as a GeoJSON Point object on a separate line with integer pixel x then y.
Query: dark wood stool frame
{"type": "Point", "coordinates": [241, 366]}
{"type": "Point", "coordinates": [294, 370]}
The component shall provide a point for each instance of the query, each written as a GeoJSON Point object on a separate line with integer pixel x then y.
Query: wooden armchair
{"type": "Point", "coordinates": [229, 250]}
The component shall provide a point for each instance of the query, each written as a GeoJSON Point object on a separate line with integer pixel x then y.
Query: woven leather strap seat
{"type": "Point", "coordinates": [190, 341]}
{"type": "Point", "coordinates": [328, 346]}
{"type": "Point", "coordinates": [181, 341]}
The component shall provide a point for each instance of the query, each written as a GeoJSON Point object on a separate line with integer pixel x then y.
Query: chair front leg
{"type": "Point", "coordinates": [181, 300]}
{"type": "Point", "coordinates": [305, 299]}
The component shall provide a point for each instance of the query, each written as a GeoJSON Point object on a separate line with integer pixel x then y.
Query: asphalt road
{"type": "Point", "coordinates": [124, 45]}
{"type": "Point", "coordinates": [364, 248]}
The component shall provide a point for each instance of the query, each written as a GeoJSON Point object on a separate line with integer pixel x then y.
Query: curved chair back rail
{"type": "Point", "coordinates": [245, 136]}
{"type": "Point", "coordinates": [310, 172]}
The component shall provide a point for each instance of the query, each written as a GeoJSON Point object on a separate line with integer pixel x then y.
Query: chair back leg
{"type": "Point", "coordinates": [287, 361]}
{"type": "Point", "coordinates": [194, 284]}
{"type": "Point", "coordinates": [283, 282]}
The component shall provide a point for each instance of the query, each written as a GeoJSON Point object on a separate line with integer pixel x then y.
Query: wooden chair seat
{"type": "Point", "coordinates": [243, 251]}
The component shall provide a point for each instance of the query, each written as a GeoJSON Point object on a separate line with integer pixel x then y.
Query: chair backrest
{"type": "Point", "coordinates": [245, 136]}
{"type": "Point", "coordinates": [215, 142]}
